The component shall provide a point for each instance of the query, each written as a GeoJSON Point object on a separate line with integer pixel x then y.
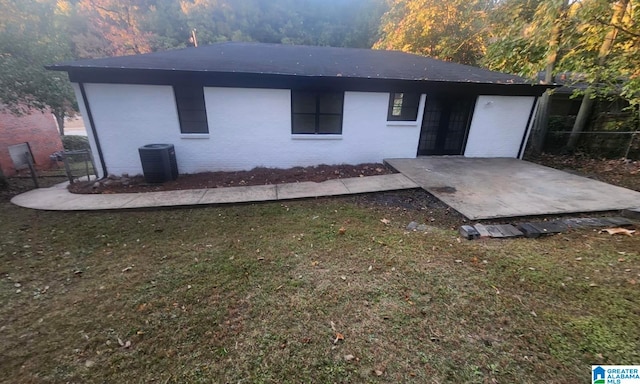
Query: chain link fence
{"type": "Point", "coordinates": [609, 136]}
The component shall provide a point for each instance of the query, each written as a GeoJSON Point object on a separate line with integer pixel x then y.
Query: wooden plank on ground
{"type": "Point", "coordinates": [548, 227]}
{"type": "Point", "coordinates": [529, 230]}
{"type": "Point", "coordinates": [618, 221]}
{"type": "Point", "coordinates": [633, 213]}
{"type": "Point", "coordinates": [469, 232]}
{"type": "Point", "coordinates": [482, 230]}
{"type": "Point", "coordinates": [585, 222]}
{"type": "Point", "coordinates": [503, 230]}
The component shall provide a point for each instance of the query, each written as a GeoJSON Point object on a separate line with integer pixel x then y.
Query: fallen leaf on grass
{"type": "Point", "coordinates": [342, 230]}
{"type": "Point", "coordinates": [349, 357]}
{"type": "Point", "coordinates": [385, 221]}
{"type": "Point", "coordinates": [619, 231]}
{"type": "Point", "coordinates": [378, 372]}
{"type": "Point", "coordinates": [339, 336]}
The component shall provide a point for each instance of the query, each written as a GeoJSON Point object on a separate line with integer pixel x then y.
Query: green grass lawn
{"type": "Point", "coordinates": [259, 293]}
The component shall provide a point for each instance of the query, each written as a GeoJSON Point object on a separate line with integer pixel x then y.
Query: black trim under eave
{"type": "Point", "coordinates": [527, 129]}
{"type": "Point", "coordinates": [314, 83]}
{"type": "Point", "coordinates": [85, 100]}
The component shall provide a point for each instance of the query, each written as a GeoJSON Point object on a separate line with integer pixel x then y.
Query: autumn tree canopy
{"type": "Point", "coordinates": [454, 30]}
{"type": "Point", "coordinates": [518, 36]}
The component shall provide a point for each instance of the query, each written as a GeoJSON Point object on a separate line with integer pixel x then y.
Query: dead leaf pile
{"type": "Point", "coordinates": [619, 231]}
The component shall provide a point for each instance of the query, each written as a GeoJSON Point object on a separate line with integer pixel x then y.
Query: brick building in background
{"type": "Point", "coordinates": [37, 129]}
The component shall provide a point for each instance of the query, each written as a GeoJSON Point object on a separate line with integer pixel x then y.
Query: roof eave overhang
{"type": "Point", "coordinates": [287, 81]}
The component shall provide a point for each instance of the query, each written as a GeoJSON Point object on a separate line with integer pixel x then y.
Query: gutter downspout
{"type": "Point", "coordinates": [527, 131]}
{"type": "Point", "coordinates": [85, 100]}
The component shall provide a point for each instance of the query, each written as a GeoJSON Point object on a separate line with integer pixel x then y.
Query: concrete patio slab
{"type": "Point", "coordinates": [239, 194]}
{"type": "Point", "coordinates": [485, 188]}
{"type": "Point", "coordinates": [311, 189]}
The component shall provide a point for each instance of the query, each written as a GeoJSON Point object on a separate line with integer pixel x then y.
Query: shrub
{"type": "Point", "coordinates": [75, 143]}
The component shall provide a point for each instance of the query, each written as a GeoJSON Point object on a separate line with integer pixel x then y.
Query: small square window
{"type": "Point", "coordinates": [403, 106]}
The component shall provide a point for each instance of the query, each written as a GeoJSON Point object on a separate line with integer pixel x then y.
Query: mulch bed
{"type": "Point", "coordinates": [256, 176]}
{"type": "Point", "coordinates": [621, 172]}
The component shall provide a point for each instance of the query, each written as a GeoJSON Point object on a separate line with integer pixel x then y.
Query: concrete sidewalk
{"type": "Point", "coordinates": [58, 198]}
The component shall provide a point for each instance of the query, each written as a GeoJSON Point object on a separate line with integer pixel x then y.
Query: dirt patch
{"type": "Point", "coordinates": [256, 176]}
{"type": "Point", "coordinates": [412, 205]}
{"type": "Point", "coordinates": [622, 172]}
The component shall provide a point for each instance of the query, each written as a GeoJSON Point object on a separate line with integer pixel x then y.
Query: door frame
{"type": "Point", "coordinates": [443, 128]}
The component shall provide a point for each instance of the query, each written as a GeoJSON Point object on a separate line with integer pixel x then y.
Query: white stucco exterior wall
{"type": "Point", "coordinates": [498, 126]}
{"type": "Point", "coordinates": [129, 116]}
{"type": "Point", "coordinates": [247, 128]}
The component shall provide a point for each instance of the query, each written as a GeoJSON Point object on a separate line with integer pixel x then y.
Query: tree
{"type": "Point", "coordinates": [454, 30]}
{"type": "Point", "coordinates": [527, 40]}
{"type": "Point", "coordinates": [30, 38]}
{"type": "Point", "coordinates": [598, 69]}
{"type": "Point", "coordinates": [112, 28]}
{"type": "Point", "coordinates": [597, 41]}
{"type": "Point", "coordinates": [542, 114]}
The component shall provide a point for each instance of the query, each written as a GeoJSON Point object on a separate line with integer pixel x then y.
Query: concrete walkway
{"type": "Point", "coordinates": [486, 188]}
{"type": "Point", "coordinates": [58, 198]}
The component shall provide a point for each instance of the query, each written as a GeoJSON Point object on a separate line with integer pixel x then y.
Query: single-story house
{"type": "Point", "coordinates": [34, 132]}
{"type": "Point", "coordinates": [236, 106]}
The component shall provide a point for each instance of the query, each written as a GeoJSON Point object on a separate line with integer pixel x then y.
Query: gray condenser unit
{"type": "Point", "coordinates": [158, 162]}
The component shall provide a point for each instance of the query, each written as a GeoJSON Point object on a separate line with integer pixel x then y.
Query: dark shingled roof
{"type": "Point", "coordinates": [292, 60]}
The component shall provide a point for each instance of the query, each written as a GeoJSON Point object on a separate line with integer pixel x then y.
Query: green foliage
{"type": "Point", "coordinates": [31, 37]}
{"type": "Point", "coordinates": [75, 143]}
{"type": "Point", "coordinates": [521, 30]}
{"type": "Point", "coordinates": [36, 33]}
{"type": "Point", "coordinates": [454, 30]}
{"type": "Point", "coordinates": [112, 27]}
{"type": "Point", "coordinates": [520, 34]}
{"type": "Point", "coordinates": [310, 22]}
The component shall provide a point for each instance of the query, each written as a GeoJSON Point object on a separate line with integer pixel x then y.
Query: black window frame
{"type": "Point", "coordinates": [317, 95]}
{"type": "Point", "coordinates": [408, 107]}
{"type": "Point", "coordinates": [192, 109]}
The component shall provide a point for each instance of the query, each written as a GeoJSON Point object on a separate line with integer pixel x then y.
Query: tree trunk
{"type": "Point", "coordinates": [541, 123]}
{"type": "Point", "coordinates": [619, 10]}
{"type": "Point", "coordinates": [582, 119]}
{"type": "Point", "coordinates": [542, 114]}
{"type": "Point", "coordinates": [60, 120]}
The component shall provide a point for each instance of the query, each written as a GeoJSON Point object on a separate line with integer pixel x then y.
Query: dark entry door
{"type": "Point", "coordinates": [445, 124]}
